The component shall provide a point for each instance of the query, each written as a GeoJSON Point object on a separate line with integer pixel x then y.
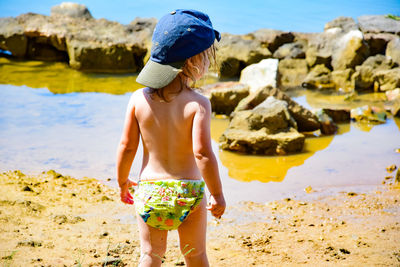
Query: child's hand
{"type": "Point", "coordinates": [126, 196]}
{"type": "Point", "coordinates": [216, 205]}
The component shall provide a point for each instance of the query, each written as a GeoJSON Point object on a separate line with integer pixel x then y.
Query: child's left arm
{"type": "Point", "coordinates": [126, 151]}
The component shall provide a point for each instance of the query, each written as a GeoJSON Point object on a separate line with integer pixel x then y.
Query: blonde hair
{"type": "Point", "coordinates": [190, 70]}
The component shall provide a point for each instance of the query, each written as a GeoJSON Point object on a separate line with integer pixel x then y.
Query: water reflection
{"type": "Point", "coordinates": [60, 79]}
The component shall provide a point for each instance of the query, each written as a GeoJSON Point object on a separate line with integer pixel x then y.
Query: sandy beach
{"type": "Point", "coordinates": [55, 220]}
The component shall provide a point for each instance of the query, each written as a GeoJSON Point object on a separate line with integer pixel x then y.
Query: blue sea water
{"type": "Point", "coordinates": [233, 16]}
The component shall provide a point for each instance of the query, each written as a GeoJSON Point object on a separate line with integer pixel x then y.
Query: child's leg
{"type": "Point", "coordinates": [192, 236]}
{"type": "Point", "coordinates": [153, 244]}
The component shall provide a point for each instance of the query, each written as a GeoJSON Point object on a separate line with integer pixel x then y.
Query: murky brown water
{"type": "Point", "coordinates": [77, 134]}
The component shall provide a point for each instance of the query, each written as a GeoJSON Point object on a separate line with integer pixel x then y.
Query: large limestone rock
{"type": "Point", "coordinates": [364, 78]}
{"type": "Point", "coordinates": [377, 42]}
{"type": "Point", "coordinates": [292, 72]}
{"type": "Point", "coordinates": [73, 10]}
{"type": "Point", "coordinates": [272, 39]}
{"type": "Point", "coordinates": [346, 24]}
{"type": "Point", "coordinates": [388, 79]}
{"type": "Point", "coordinates": [259, 75]}
{"type": "Point", "coordinates": [272, 114]}
{"type": "Point", "coordinates": [321, 46]}
{"type": "Point", "coordinates": [266, 129]}
{"type": "Point", "coordinates": [340, 46]}
{"type": "Point", "coordinates": [236, 52]}
{"type": "Point", "coordinates": [291, 50]}
{"type": "Point", "coordinates": [319, 78]}
{"type": "Point", "coordinates": [349, 50]}
{"type": "Point", "coordinates": [259, 142]}
{"type": "Point", "coordinates": [225, 96]}
{"type": "Point", "coordinates": [306, 121]}
{"type": "Point", "coordinates": [12, 37]}
{"type": "Point", "coordinates": [342, 80]}
{"type": "Point", "coordinates": [393, 50]}
{"type": "Point", "coordinates": [71, 34]}
{"type": "Point", "coordinates": [318, 56]}
{"type": "Point", "coordinates": [378, 24]}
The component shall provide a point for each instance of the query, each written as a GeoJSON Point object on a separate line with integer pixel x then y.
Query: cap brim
{"type": "Point", "coordinates": [156, 75]}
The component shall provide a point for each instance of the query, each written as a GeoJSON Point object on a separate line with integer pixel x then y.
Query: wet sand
{"type": "Point", "coordinates": [56, 220]}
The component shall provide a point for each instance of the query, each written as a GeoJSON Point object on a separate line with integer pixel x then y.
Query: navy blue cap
{"type": "Point", "coordinates": [177, 36]}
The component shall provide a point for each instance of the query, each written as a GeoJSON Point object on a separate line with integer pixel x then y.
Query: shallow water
{"type": "Point", "coordinates": [77, 134]}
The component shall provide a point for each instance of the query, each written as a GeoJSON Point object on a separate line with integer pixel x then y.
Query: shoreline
{"type": "Point", "coordinates": [44, 216]}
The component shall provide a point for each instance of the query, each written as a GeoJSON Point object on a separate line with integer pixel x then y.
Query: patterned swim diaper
{"type": "Point", "coordinates": [165, 204]}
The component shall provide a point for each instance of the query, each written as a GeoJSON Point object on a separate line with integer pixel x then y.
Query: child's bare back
{"type": "Point", "coordinates": [167, 136]}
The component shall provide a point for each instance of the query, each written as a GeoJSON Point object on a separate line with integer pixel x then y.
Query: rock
{"type": "Point", "coordinates": [60, 219]}
{"type": "Point", "coordinates": [345, 23]}
{"type": "Point", "coordinates": [291, 50]}
{"type": "Point", "coordinates": [27, 189]}
{"type": "Point", "coordinates": [342, 80]}
{"type": "Point", "coordinates": [388, 79]}
{"type": "Point", "coordinates": [364, 78]}
{"type": "Point", "coordinates": [321, 47]}
{"type": "Point", "coordinates": [259, 142]}
{"type": "Point", "coordinates": [393, 50]}
{"type": "Point", "coordinates": [272, 39]}
{"type": "Point", "coordinates": [142, 24]}
{"type": "Point", "coordinates": [114, 261]}
{"type": "Point", "coordinates": [225, 96]}
{"type": "Point", "coordinates": [315, 56]}
{"type": "Point", "coordinates": [306, 121]}
{"type": "Point", "coordinates": [73, 10]}
{"type": "Point", "coordinates": [349, 50]}
{"type": "Point", "coordinates": [378, 24]}
{"type": "Point", "coordinates": [260, 75]}
{"type": "Point", "coordinates": [95, 57]}
{"type": "Point", "coordinates": [236, 52]}
{"type": "Point", "coordinates": [145, 26]}
{"type": "Point", "coordinates": [266, 129]}
{"type": "Point", "coordinates": [377, 42]}
{"type": "Point", "coordinates": [395, 107]}
{"type": "Point", "coordinates": [30, 243]}
{"type": "Point", "coordinates": [328, 126]}
{"type": "Point", "coordinates": [271, 114]}
{"type": "Point", "coordinates": [291, 72]}
{"type": "Point", "coordinates": [89, 44]}
{"type": "Point", "coordinates": [380, 62]}
{"type": "Point", "coordinates": [318, 78]}
{"type": "Point", "coordinates": [338, 115]}
{"type": "Point", "coordinates": [12, 37]}
{"type": "Point", "coordinates": [393, 94]}
{"type": "Point", "coordinates": [368, 114]}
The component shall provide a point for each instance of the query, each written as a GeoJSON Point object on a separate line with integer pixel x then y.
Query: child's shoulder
{"type": "Point", "coordinates": [198, 97]}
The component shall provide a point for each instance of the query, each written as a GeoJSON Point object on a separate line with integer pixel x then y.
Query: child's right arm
{"type": "Point", "coordinates": [126, 152]}
{"type": "Point", "coordinates": [205, 158]}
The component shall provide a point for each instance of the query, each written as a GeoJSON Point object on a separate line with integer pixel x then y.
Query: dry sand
{"type": "Point", "coordinates": [55, 220]}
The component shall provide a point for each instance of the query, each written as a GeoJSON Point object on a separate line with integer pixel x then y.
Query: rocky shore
{"type": "Point", "coordinates": [55, 220]}
{"type": "Point", "coordinates": [334, 58]}
{"type": "Point", "coordinates": [348, 58]}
